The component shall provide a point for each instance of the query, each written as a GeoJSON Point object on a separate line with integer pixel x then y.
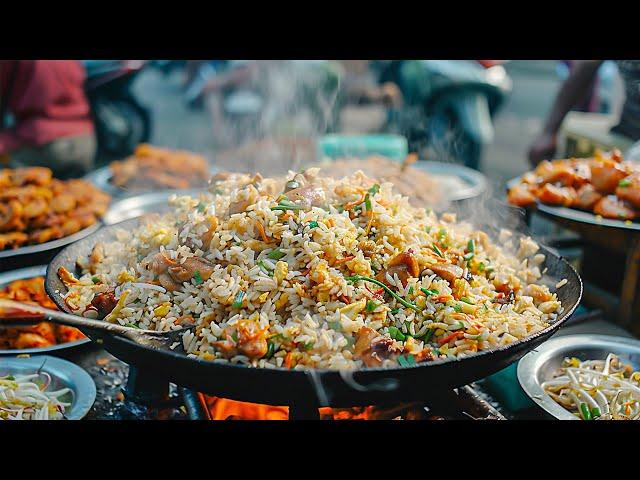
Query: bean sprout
{"type": "Point", "coordinates": [597, 389]}
{"type": "Point", "coordinates": [24, 397]}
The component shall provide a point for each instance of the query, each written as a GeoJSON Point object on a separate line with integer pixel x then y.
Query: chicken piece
{"type": "Point", "coordinates": [13, 239]}
{"type": "Point", "coordinates": [606, 175]}
{"type": "Point", "coordinates": [31, 340]}
{"type": "Point", "coordinates": [32, 175]}
{"type": "Point", "coordinates": [404, 265]}
{"type": "Point", "coordinates": [71, 226]}
{"type": "Point", "coordinates": [35, 207]}
{"type": "Point", "coordinates": [564, 174]}
{"type": "Point", "coordinates": [158, 264]}
{"type": "Point", "coordinates": [614, 208]}
{"type": "Point", "coordinates": [373, 348]}
{"type": "Point", "coordinates": [629, 189]}
{"type": "Point", "coordinates": [586, 197]}
{"type": "Point", "coordinates": [63, 203]}
{"type": "Point", "coordinates": [447, 271]}
{"type": "Point", "coordinates": [45, 235]}
{"type": "Point", "coordinates": [65, 334]}
{"type": "Point", "coordinates": [245, 197]}
{"type": "Point", "coordinates": [11, 216]}
{"type": "Point", "coordinates": [45, 330]}
{"type": "Point", "coordinates": [521, 196]}
{"type": "Point", "coordinates": [186, 271]}
{"type": "Point", "coordinates": [551, 195]}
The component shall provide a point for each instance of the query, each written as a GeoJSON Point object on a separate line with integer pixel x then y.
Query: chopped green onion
{"type": "Point", "coordinates": [271, 349]}
{"type": "Point", "coordinates": [307, 346]}
{"type": "Point", "coordinates": [95, 280]}
{"type": "Point", "coordinates": [358, 278]}
{"type": "Point", "coordinates": [10, 377]}
{"type": "Point", "coordinates": [201, 207]}
{"type": "Point", "coordinates": [437, 250]}
{"type": "Point", "coordinates": [595, 412]}
{"type": "Point", "coordinates": [313, 224]}
{"type": "Point", "coordinates": [276, 254]}
{"type": "Point", "coordinates": [471, 246]}
{"type": "Point", "coordinates": [410, 290]}
{"type": "Point", "coordinates": [375, 189]}
{"type": "Point", "coordinates": [234, 337]}
{"type": "Point", "coordinates": [371, 306]}
{"type": "Point", "coordinates": [624, 182]}
{"type": "Point", "coordinates": [396, 334]}
{"type": "Point", "coordinates": [481, 267]}
{"type": "Point", "coordinates": [198, 278]}
{"type": "Point", "coordinates": [395, 311]}
{"type": "Point", "coordinates": [406, 361]}
{"type": "Point", "coordinates": [285, 205]}
{"type": "Point", "coordinates": [428, 292]}
{"type": "Point", "coordinates": [265, 267]}
{"type": "Point", "coordinates": [466, 300]}
{"type": "Point", "coordinates": [456, 326]}
{"type": "Point", "coordinates": [586, 414]}
{"type": "Point", "coordinates": [237, 303]}
{"type": "Point", "coordinates": [468, 256]}
{"type": "Point", "coordinates": [428, 335]}
{"type": "Point", "coordinates": [131, 325]}
{"type": "Point", "coordinates": [427, 229]}
{"type": "Point", "coordinates": [457, 308]}
{"type": "Point", "coordinates": [442, 233]}
{"type": "Point", "coordinates": [367, 202]}
{"type": "Point", "coordinates": [335, 325]}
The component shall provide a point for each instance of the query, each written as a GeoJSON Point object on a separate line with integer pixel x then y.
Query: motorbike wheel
{"type": "Point", "coordinates": [121, 125]}
{"type": "Point", "coordinates": [447, 142]}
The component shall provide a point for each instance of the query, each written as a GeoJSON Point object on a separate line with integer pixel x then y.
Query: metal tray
{"type": "Point", "coordinates": [101, 178]}
{"type": "Point", "coordinates": [539, 365]}
{"type": "Point", "coordinates": [132, 207]}
{"type": "Point", "coordinates": [577, 216]}
{"type": "Point", "coordinates": [24, 273]}
{"type": "Point", "coordinates": [63, 374]}
{"type": "Point", "coordinates": [476, 182]}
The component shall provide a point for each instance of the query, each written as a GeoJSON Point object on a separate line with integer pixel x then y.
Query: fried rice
{"type": "Point", "coordinates": [317, 273]}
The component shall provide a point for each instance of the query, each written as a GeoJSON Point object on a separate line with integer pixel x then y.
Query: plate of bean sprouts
{"type": "Point", "coordinates": [44, 388]}
{"type": "Point", "coordinates": [585, 377]}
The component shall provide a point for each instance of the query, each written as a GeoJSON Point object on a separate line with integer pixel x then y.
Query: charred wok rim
{"type": "Point", "coordinates": [563, 317]}
{"type": "Point", "coordinates": [573, 214]}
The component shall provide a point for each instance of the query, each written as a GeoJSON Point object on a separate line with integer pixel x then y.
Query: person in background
{"type": "Point", "coordinates": [575, 88]}
{"type": "Point", "coordinates": [52, 124]}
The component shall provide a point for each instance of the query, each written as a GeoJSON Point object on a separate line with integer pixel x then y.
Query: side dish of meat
{"type": "Point", "coordinates": [605, 185]}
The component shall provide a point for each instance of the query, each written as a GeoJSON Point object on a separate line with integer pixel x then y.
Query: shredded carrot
{"type": "Point", "coordinates": [343, 260]}
{"type": "Point", "coordinates": [344, 299]}
{"type": "Point", "coordinates": [349, 206]}
{"type": "Point", "coordinates": [262, 233]}
{"type": "Point", "coordinates": [288, 360]}
{"type": "Point", "coordinates": [448, 338]}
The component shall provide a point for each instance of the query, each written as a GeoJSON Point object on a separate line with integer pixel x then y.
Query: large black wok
{"type": "Point", "coordinates": [321, 387]}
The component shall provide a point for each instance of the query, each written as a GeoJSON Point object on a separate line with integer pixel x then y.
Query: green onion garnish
{"type": "Point", "coordinates": [285, 205]}
{"type": "Point", "coordinates": [371, 306]}
{"type": "Point", "coordinates": [271, 349]}
{"type": "Point", "coordinates": [468, 256]}
{"type": "Point", "coordinates": [335, 325]}
{"type": "Point", "coordinates": [367, 202]}
{"type": "Point", "coordinates": [595, 412]}
{"type": "Point", "coordinates": [396, 334]}
{"type": "Point", "coordinates": [481, 266]}
{"type": "Point", "coordinates": [313, 224]}
{"type": "Point", "coordinates": [234, 337]}
{"type": "Point", "coordinates": [307, 346]}
{"type": "Point", "coordinates": [428, 292]}
{"type": "Point", "coordinates": [428, 335]}
{"type": "Point", "coordinates": [201, 207]}
{"type": "Point", "coordinates": [265, 267]}
{"type": "Point", "coordinates": [586, 414]}
{"type": "Point", "coordinates": [442, 233]}
{"type": "Point", "coordinates": [406, 360]}
{"type": "Point", "coordinates": [10, 377]}
{"type": "Point", "coordinates": [471, 246]}
{"type": "Point", "coordinates": [237, 303]}
{"type": "Point", "coordinates": [410, 290]}
{"type": "Point", "coordinates": [198, 278]}
{"type": "Point", "coordinates": [395, 311]}
{"type": "Point", "coordinates": [95, 280]}
{"type": "Point", "coordinates": [276, 254]}
{"type": "Point", "coordinates": [457, 326]}
{"type": "Point", "coordinates": [358, 278]}
{"type": "Point", "coordinates": [437, 250]}
{"type": "Point", "coordinates": [624, 182]}
{"type": "Point", "coordinates": [427, 229]}
{"type": "Point", "coordinates": [457, 308]}
{"type": "Point", "coordinates": [131, 325]}
{"type": "Point", "coordinates": [466, 300]}
{"type": "Point", "coordinates": [375, 189]}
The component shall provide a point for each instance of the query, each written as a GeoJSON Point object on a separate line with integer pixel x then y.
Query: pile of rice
{"type": "Point", "coordinates": [286, 287]}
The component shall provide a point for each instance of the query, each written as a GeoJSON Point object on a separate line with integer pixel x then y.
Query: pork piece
{"type": "Point", "coordinates": [629, 189]}
{"type": "Point", "coordinates": [104, 303]}
{"type": "Point", "coordinates": [606, 175]}
{"type": "Point", "coordinates": [245, 197]}
{"type": "Point", "coordinates": [373, 348]}
{"type": "Point", "coordinates": [551, 195]}
{"type": "Point", "coordinates": [447, 271]}
{"type": "Point", "coordinates": [249, 340]}
{"type": "Point", "coordinates": [614, 208]}
{"type": "Point", "coordinates": [11, 216]}
{"type": "Point", "coordinates": [404, 265]}
{"type": "Point", "coordinates": [521, 196]}
{"type": "Point", "coordinates": [63, 203]}
{"type": "Point", "coordinates": [565, 174]}
{"type": "Point", "coordinates": [32, 175]}
{"type": "Point", "coordinates": [586, 197]}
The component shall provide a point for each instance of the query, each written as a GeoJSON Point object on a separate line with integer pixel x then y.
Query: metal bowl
{"type": "Point", "coordinates": [41, 253]}
{"type": "Point", "coordinates": [22, 274]}
{"type": "Point", "coordinates": [63, 374]}
{"type": "Point", "coordinates": [539, 365]}
{"type": "Point", "coordinates": [132, 207]}
{"type": "Point", "coordinates": [101, 178]}
{"type": "Point", "coordinates": [475, 182]}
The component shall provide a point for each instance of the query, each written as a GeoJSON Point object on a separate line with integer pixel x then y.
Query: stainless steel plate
{"type": "Point", "coordinates": [132, 207]}
{"type": "Point", "coordinates": [63, 374]}
{"type": "Point", "coordinates": [578, 216]}
{"type": "Point", "coordinates": [539, 365]}
{"type": "Point", "coordinates": [24, 273]}
{"type": "Point", "coordinates": [101, 178]}
{"type": "Point", "coordinates": [475, 183]}
{"type": "Point", "coordinates": [43, 247]}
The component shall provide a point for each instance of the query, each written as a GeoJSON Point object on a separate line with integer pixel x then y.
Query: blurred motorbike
{"type": "Point", "coordinates": [448, 107]}
{"type": "Point", "coordinates": [121, 121]}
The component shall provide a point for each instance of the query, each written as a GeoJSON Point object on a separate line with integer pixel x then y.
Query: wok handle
{"type": "Point", "coordinates": [56, 316]}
